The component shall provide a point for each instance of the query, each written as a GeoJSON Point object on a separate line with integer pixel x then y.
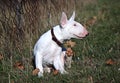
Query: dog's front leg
{"type": "Point", "coordinates": [38, 62]}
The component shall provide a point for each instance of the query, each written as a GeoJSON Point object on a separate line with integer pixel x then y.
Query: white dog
{"type": "Point", "coordinates": [48, 49]}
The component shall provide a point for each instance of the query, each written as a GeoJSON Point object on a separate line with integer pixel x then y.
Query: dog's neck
{"type": "Point", "coordinates": [55, 39]}
{"type": "Point", "coordinates": [57, 35]}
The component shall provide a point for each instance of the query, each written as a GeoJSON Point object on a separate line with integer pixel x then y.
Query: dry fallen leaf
{"type": "Point", "coordinates": [35, 71]}
{"type": "Point", "coordinates": [12, 81]}
{"type": "Point", "coordinates": [110, 62]}
{"type": "Point", "coordinates": [70, 43]}
{"type": "Point", "coordinates": [1, 56]}
{"type": "Point", "coordinates": [55, 72]}
{"type": "Point", "coordinates": [19, 65]}
{"type": "Point", "coordinates": [69, 52]}
{"type": "Point", "coordinates": [91, 21]}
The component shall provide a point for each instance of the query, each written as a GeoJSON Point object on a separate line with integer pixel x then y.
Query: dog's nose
{"type": "Point", "coordinates": [87, 34]}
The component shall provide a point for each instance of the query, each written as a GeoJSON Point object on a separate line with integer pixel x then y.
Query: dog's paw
{"type": "Point", "coordinates": [47, 70]}
{"type": "Point", "coordinates": [40, 74]}
{"type": "Point", "coordinates": [64, 72]}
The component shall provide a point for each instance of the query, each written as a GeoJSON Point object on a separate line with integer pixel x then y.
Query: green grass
{"type": "Point", "coordinates": [91, 53]}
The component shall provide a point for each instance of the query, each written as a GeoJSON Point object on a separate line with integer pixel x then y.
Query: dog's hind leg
{"type": "Point", "coordinates": [59, 65]}
{"type": "Point", "coordinates": [38, 61]}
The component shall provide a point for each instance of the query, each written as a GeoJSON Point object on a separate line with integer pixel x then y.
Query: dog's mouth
{"type": "Point", "coordinates": [79, 37]}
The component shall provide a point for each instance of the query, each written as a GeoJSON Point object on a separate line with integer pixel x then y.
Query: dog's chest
{"type": "Point", "coordinates": [51, 53]}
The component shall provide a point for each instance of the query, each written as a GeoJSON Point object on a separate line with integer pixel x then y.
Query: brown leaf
{"type": "Point", "coordinates": [70, 43]}
{"type": "Point", "coordinates": [110, 62]}
{"type": "Point", "coordinates": [69, 52]}
{"type": "Point", "coordinates": [19, 65]}
{"type": "Point", "coordinates": [1, 56]}
{"type": "Point", "coordinates": [12, 81]}
{"type": "Point", "coordinates": [91, 21]}
{"type": "Point", "coordinates": [35, 71]}
{"type": "Point", "coordinates": [55, 72]}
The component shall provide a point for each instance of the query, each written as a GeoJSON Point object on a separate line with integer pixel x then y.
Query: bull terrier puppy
{"type": "Point", "coordinates": [48, 49]}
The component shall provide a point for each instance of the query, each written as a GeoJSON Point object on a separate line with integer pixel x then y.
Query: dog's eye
{"type": "Point", "coordinates": [74, 25]}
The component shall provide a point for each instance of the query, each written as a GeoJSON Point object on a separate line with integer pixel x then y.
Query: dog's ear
{"type": "Point", "coordinates": [63, 20]}
{"type": "Point", "coordinates": [72, 17]}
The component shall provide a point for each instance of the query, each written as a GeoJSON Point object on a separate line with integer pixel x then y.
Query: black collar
{"type": "Point", "coordinates": [55, 39]}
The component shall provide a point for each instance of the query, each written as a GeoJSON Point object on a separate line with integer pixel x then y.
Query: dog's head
{"type": "Point", "coordinates": [72, 28]}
